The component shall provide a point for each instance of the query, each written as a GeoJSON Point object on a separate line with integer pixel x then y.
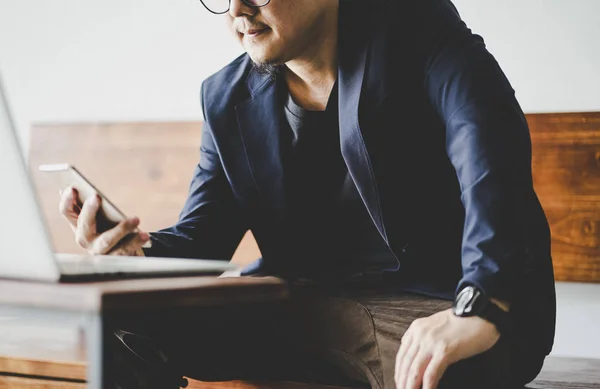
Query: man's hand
{"type": "Point", "coordinates": [433, 343]}
{"type": "Point", "coordinates": [119, 240]}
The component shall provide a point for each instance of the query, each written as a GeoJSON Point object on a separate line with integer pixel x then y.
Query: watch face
{"type": "Point", "coordinates": [464, 301]}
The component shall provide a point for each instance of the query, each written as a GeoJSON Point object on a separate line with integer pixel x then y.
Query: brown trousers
{"type": "Point", "coordinates": [343, 336]}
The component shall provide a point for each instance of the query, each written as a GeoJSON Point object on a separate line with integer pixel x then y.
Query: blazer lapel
{"type": "Point", "coordinates": [361, 79]}
{"type": "Point", "coordinates": [260, 120]}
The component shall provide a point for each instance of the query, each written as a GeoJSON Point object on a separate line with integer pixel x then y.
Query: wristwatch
{"type": "Point", "coordinates": [471, 301]}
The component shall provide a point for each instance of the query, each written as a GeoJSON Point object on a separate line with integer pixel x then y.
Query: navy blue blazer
{"type": "Point", "coordinates": [434, 140]}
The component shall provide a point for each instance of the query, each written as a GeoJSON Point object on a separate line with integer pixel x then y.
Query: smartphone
{"type": "Point", "coordinates": [65, 175]}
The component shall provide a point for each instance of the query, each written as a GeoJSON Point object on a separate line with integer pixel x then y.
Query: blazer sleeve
{"type": "Point", "coordinates": [210, 225]}
{"type": "Point", "coordinates": [488, 143]}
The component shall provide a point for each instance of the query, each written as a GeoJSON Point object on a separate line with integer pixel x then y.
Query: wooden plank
{"type": "Point", "coordinates": [40, 348]}
{"type": "Point", "coordinates": [33, 347]}
{"type": "Point", "coordinates": [47, 368]}
{"type": "Point", "coordinates": [140, 294]}
{"type": "Point", "coordinates": [566, 173]}
{"type": "Point", "coordinates": [568, 373]}
{"type": "Point", "coordinates": [144, 168]}
{"type": "Point", "coordinates": [8, 382]}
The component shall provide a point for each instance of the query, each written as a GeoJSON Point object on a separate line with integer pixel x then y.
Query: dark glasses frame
{"type": "Point", "coordinates": [250, 3]}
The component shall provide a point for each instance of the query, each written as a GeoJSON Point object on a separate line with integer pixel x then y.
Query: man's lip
{"type": "Point", "coordinates": [255, 31]}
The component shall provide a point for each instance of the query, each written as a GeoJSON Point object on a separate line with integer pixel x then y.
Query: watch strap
{"type": "Point", "coordinates": [497, 316]}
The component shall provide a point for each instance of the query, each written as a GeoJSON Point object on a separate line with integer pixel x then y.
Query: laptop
{"type": "Point", "coordinates": [26, 251]}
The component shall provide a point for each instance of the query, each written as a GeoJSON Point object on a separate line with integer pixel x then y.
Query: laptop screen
{"type": "Point", "coordinates": [25, 250]}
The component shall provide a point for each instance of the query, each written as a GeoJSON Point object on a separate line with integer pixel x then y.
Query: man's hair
{"type": "Point", "coordinates": [272, 70]}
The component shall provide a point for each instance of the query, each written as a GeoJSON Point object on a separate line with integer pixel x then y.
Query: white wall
{"type": "Point", "coordinates": [68, 60]}
{"type": "Point", "coordinates": [87, 60]}
{"type": "Point", "coordinates": [549, 49]}
{"type": "Point", "coordinates": [578, 320]}
{"type": "Point", "coordinates": [82, 60]}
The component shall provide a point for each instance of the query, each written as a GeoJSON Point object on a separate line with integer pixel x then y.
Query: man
{"type": "Point", "coordinates": [378, 154]}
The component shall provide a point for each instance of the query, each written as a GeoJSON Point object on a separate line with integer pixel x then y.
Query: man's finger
{"type": "Point", "coordinates": [109, 239]}
{"type": "Point", "coordinates": [68, 206]}
{"type": "Point", "coordinates": [416, 370]}
{"type": "Point", "coordinates": [435, 370]}
{"type": "Point", "coordinates": [407, 362]}
{"type": "Point", "coordinates": [86, 222]}
{"type": "Point", "coordinates": [404, 346]}
{"type": "Point", "coordinates": [132, 246]}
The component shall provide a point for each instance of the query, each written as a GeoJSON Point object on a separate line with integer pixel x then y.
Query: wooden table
{"type": "Point", "coordinates": [70, 321]}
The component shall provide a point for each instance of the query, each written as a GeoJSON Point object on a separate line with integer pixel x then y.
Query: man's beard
{"type": "Point", "coordinates": [269, 69]}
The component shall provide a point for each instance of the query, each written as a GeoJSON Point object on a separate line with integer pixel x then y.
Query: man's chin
{"type": "Point", "coordinates": [264, 63]}
{"type": "Point", "coordinates": [260, 56]}
{"type": "Point", "coordinates": [271, 69]}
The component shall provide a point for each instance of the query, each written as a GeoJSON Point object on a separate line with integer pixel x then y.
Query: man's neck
{"type": "Point", "coordinates": [311, 76]}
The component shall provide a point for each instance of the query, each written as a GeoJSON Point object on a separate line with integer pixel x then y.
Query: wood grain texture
{"type": "Point", "coordinates": [143, 294]}
{"type": "Point", "coordinates": [145, 168]}
{"type": "Point", "coordinates": [8, 382]}
{"type": "Point", "coordinates": [566, 173]}
{"type": "Point", "coordinates": [563, 373]}
{"type": "Point", "coordinates": [36, 348]}
{"type": "Point", "coordinates": [45, 368]}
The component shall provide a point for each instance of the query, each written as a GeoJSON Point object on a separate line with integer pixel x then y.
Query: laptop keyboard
{"type": "Point", "coordinates": [85, 264]}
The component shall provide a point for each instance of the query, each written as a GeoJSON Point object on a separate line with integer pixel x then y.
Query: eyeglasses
{"type": "Point", "coordinates": [222, 6]}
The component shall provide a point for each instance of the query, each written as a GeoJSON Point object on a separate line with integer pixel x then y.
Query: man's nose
{"type": "Point", "coordinates": [238, 8]}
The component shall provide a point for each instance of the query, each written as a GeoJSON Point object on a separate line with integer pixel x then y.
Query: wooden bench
{"type": "Point", "coordinates": [146, 167]}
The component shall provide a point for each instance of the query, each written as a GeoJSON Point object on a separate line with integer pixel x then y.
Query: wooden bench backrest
{"type": "Point", "coordinates": [145, 168]}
